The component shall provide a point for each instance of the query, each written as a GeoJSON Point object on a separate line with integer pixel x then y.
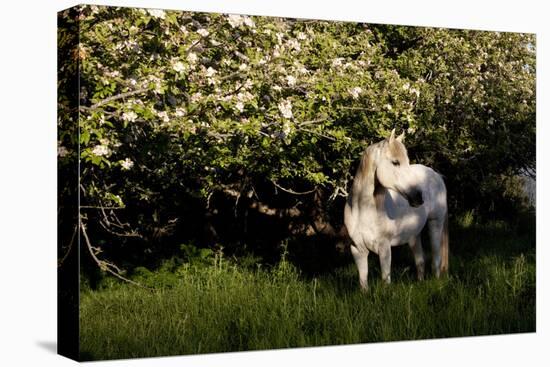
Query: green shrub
{"type": "Point", "coordinates": [188, 118]}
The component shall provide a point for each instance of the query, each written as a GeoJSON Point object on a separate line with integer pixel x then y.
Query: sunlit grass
{"type": "Point", "coordinates": [226, 307]}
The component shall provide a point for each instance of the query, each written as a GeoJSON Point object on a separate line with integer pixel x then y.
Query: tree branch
{"type": "Point", "coordinates": [101, 207]}
{"type": "Point", "coordinates": [119, 234]}
{"type": "Point", "coordinates": [263, 208]}
{"type": "Point", "coordinates": [60, 262]}
{"type": "Point", "coordinates": [310, 122]}
{"type": "Point", "coordinates": [317, 133]}
{"type": "Point", "coordinates": [292, 191]}
{"type": "Point", "coordinates": [105, 265]}
{"type": "Point", "coordinates": [114, 98]}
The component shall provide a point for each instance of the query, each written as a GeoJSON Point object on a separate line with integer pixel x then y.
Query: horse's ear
{"type": "Point", "coordinates": [392, 136]}
{"type": "Point", "coordinates": [401, 137]}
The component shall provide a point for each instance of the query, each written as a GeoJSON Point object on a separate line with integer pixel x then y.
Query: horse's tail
{"type": "Point", "coordinates": [444, 267]}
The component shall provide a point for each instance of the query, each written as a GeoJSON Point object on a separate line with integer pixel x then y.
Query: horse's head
{"type": "Point", "coordinates": [393, 170]}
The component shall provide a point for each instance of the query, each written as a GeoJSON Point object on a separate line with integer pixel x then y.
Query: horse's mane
{"type": "Point", "coordinates": [365, 184]}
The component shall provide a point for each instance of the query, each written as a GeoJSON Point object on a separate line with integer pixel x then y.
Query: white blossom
{"type": "Point", "coordinates": [243, 67]}
{"type": "Point", "coordinates": [157, 82]}
{"type": "Point", "coordinates": [285, 107]}
{"type": "Point", "coordinates": [113, 74]}
{"type": "Point", "coordinates": [301, 36]}
{"type": "Point", "coordinates": [203, 32]}
{"type": "Point", "coordinates": [337, 62]}
{"type": "Point", "coordinates": [157, 13]}
{"type": "Point", "coordinates": [291, 80]}
{"type": "Point", "coordinates": [249, 22]}
{"type": "Point", "coordinates": [293, 44]}
{"type": "Point", "coordinates": [164, 116]}
{"type": "Point", "coordinates": [178, 67]}
{"type": "Point", "coordinates": [100, 150]}
{"type": "Point", "coordinates": [286, 128]}
{"type": "Point", "coordinates": [180, 112]}
{"type": "Point", "coordinates": [277, 88]}
{"type": "Point", "coordinates": [235, 20]}
{"type": "Point", "coordinates": [224, 98]}
{"type": "Point", "coordinates": [62, 151]}
{"type": "Point", "coordinates": [131, 45]}
{"type": "Point", "coordinates": [239, 106]}
{"type": "Point", "coordinates": [192, 57]}
{"type": "Point", "coordinates": [210, 72]}
{"type": "Point", "coordinates": [195, 97]}
{"type": "Point", "coordinates": [355, 92]}
{"type": "Point", "coordinates": [348, 65]}
{"type": "Point", "coordinates": [129, 116]}
{"type": "Point", "coordinates": [126, 164]}
{"type": "Point", "coordinates": [245, 96]}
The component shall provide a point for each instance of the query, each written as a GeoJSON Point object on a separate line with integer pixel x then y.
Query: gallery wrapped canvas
{"type": "Point", "coordinates": [234, 182]}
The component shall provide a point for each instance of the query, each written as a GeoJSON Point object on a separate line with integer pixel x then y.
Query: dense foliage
{"type": "Point", "coordinates": [202, 128]}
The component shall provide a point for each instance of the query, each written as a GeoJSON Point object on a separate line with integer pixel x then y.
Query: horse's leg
{"type": "Point", "coordinates": [415, 244]}
{"type": "Point", "coordinates": [436, 227]}
{"type": "Point", "coordinates": [384, 253]}
{"type": "Point", "coordinates": [361, 257]}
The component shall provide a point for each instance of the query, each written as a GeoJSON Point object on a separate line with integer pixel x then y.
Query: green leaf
{"type": "Point", "coordinates": [84, 137]}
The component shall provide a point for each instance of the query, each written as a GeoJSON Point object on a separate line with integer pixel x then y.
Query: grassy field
{"type": "Point", "coordinates": [227, 307]}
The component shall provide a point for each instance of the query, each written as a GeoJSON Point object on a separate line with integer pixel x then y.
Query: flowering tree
{"type": "Point", "coordinates": [183, 115]}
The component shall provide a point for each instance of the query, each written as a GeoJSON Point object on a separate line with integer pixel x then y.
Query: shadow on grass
{"type": "Point", "coordinates": [470, 245]}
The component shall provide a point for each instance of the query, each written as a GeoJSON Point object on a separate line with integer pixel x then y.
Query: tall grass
{"type": "Point", "coordinates": [226, 307]}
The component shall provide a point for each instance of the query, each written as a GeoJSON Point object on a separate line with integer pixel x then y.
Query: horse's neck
{"type": "Point", "coordinates": [365, 207]}
{"type": "Point", "coordinates": [370, 203]}
{"type": "Point", "coordinates": [364, 221]}
{"type": "Point", "coordinates": [379, 197]}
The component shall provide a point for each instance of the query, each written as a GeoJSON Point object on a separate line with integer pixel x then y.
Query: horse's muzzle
{"type": "Point", "coordinates": [414, 197]}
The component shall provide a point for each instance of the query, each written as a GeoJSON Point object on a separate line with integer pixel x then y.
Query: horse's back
{"type": "Point", "coordinates": [434, 191]}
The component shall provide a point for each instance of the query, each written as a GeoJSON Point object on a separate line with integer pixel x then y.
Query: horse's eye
{"type": "Point", "coordinates": [395, 162]}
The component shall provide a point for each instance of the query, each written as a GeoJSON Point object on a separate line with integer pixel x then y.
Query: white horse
{"type": "Point", "coordinates": [390, 203]}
